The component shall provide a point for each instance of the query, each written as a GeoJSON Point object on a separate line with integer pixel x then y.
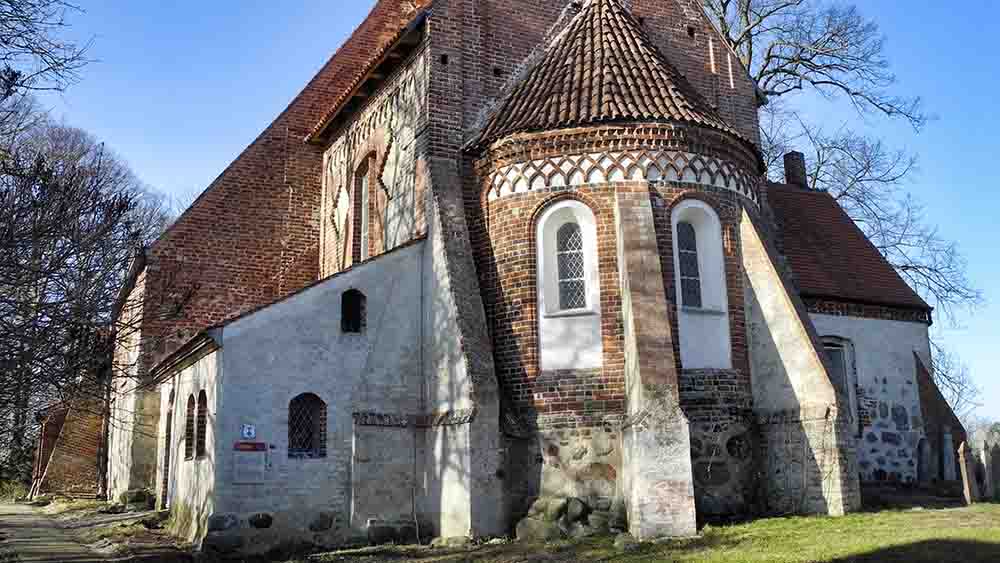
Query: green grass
{"type": "Point", "coordinates": [961, 535]}
{"type": "Point", "coordinates": [12, 490]}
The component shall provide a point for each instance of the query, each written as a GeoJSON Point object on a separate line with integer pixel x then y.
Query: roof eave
{"type": "Point", "coordinates": [405, 41]}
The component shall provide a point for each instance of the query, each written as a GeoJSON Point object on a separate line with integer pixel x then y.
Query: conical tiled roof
{"type": "Point", "coordinates": [603, 68]}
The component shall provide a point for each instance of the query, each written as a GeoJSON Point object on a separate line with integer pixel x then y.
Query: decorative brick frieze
{"type": "Point", "coordinates": [396, 420]}
{"type": "Point", "coordinates": [604, 167]}
{"type": "Point", "coordinates": [823, 306]}
{"type": "Point", "coordinates": [385, 132]}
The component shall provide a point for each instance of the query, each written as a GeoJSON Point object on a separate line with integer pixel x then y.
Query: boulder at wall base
{"type": "Point", "coordinates": [599, 521]}
{"type": "Point", "coordinates": [453, 541]}
{"type": "Point", "coordinates": [625, 542]}
{"type": "Point", "coordinates": [222, 522]}
{"type": "Point", "coordinates": [261, 521]}
{"type": "Point", "coordinates": [576, 510]}
{"type": "Point", "coordinates": [222, 543]}
{"type": "Point", "coordinates": [555, 509]}
{"type": "Point", "coordinates": [379, 534]}
{"type": "Point", "coordinates": [322, 522]}
{"type": "Point", "coordinates": [580, 531]}
{"type": "Point", "coordinates": [537, 530]}
{"type": "Point", "coordinates": [538, 507]}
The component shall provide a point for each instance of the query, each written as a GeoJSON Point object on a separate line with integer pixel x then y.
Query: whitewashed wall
{"type": "Point", "coordinates": [192, 481]}
{"type": "Point", "coordinates": [887, 386]}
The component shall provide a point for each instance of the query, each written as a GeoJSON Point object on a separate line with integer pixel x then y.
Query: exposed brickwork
{"type": "Point", "coordinates": [253, 235]}
{"type": "Point", "coordinates": [73, 466]}
{"type": "Point", "coordinates": [823, 306]}
{"type": "Point", "coordinates": [507, 266]}
{"type": "Point", "coordinates": [51, 426]}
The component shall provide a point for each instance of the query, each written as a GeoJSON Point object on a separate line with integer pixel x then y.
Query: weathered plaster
{"type": "Point", "coordinates": [888, 396]}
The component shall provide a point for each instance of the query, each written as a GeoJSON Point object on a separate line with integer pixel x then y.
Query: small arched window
{"type": "Point", "coordinates": [572, 276]}
{"type": "Point", "coordinates": [307, 427]}
{"type": "Point", "coordinates": [353, 305]}
{"type": "Point", "coordinates": [687, 253]}
{"type": "Point", "coordinates": [202, 425]}
{"type": "Point", "coordinates": [189, 431]}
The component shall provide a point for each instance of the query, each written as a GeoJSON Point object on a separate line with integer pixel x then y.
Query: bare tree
{"type": "Point", "coordinates": [33, 54]}
{"type": "Point", "coordinates": [793, 46]}
{"type": "Point", "coordinates": [73, 214]}
{"type": "Point", "coordinates": [829, 48]}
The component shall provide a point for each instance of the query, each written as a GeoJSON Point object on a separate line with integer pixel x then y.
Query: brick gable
{"type": "Point", "coordinates": [253, 235]}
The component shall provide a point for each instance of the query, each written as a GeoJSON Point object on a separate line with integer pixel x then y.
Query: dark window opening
{"type": "Point", "coordinates": [687, 255]}
{"type": "Point", "coordinates": [202, 425]}
{"type": "Point", "coordinates": [353, 311]}
{"type": "Point", "coordinates": [307, 427]}
{"type": "Point", "coordinates": [189, 429]}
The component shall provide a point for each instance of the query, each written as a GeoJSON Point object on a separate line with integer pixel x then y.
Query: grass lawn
{"type": "Point", "coordinates": [967, 535]}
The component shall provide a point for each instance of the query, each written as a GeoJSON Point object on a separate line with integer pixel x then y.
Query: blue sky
{"type": "Point", "coordinates": [180, 88]}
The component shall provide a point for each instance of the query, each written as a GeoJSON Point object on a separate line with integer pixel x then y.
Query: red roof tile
{"type": "Point", "coordinates": [602, 68]}
{"type": "Point", "coordinates": [829, 254]}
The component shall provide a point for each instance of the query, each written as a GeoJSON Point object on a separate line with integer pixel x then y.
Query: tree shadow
{"type": "Point", "coordinates": [930, 551]}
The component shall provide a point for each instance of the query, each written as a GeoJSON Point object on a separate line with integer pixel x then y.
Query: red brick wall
{"type": "Point", "coordinates": [73, 467]}
{"type": "Point", "coordinates": [51, 426]}
{"type": "Point", "coordinates": [252, 237]}
{"type": "Point", "coordinates": [507, 266]}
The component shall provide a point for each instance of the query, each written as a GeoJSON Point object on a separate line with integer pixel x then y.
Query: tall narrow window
{"type": "Point", "coordinates": [189, 431]}
{"type": "Point", "coordinates": [202, 425]}
{"type": "Point", "coordinates": [839, 352]}
{"type": "Point", "coordinates": [307, 427]}
{"type": "Point", "coordinates": [352, 311]}
{"type": "Point", "coordinates": [700, 286]}
{"type": "Point", "coordinates": [361, 186]}
{"type": "Point", "coordinates": [569, 295]}
{"type": "Point", "coordinates": [687, 253]}
{"type": "Point", "coordinates": [572, 276]}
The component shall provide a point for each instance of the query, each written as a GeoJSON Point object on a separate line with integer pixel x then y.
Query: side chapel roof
{"type": "Point", "coordinates": [602, 68]}
{"type": "Point", "coordinates": [830, 255]}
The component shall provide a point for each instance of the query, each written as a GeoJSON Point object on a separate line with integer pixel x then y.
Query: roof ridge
{"type": "Point", "coordinates": [602, 67]}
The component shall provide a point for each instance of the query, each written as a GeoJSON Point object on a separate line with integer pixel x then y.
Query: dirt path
{"type": "Point", "coordinates": [34, 537]}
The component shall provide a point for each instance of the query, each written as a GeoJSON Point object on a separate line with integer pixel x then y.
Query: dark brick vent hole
{"type": "Point", "coordinates": [497, 72]}
{"type": "Point", "coordinates": [444, 59]}
{"type": "Point", "coordinates": [691, 31]}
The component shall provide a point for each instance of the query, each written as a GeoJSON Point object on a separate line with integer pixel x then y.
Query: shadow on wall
{"type": "Point", "coordinates": [787, 460]}
{"type": "Point", "coordinates": [934, 551]}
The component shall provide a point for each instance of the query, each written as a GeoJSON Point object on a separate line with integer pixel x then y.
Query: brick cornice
{"type": "Point", "coordinates": [843, 308]}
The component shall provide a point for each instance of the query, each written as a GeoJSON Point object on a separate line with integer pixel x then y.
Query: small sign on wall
{"type": "Point", "coordinates": [248, 432]}
{"type": "Point", "coordinates": [249, 462]}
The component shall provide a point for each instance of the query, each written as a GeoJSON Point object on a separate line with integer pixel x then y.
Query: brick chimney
{"type": "Point", "coordinates": [795, 169]}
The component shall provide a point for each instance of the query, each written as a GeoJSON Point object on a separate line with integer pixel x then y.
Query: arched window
{"type": "Point", "coordinates": [569, 260]}
{"type": "Point", "coordinates": [307, 427]}
{"type": "Point", "coordinates": [687, 255]}
{"type": "Point", "coordinates": [189, 432]}
{"type": "Point", "coordinates": [202, 425]}
{"type": "Point", "coordinates": [700, 286]}
{"type": "Point", "coordinates": [569, 298]}
{"type": "Point", "coordinates": [353, 306]}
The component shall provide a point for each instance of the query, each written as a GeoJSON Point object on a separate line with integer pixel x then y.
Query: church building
{"type": "Point", "coordinates": [498, 254]}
